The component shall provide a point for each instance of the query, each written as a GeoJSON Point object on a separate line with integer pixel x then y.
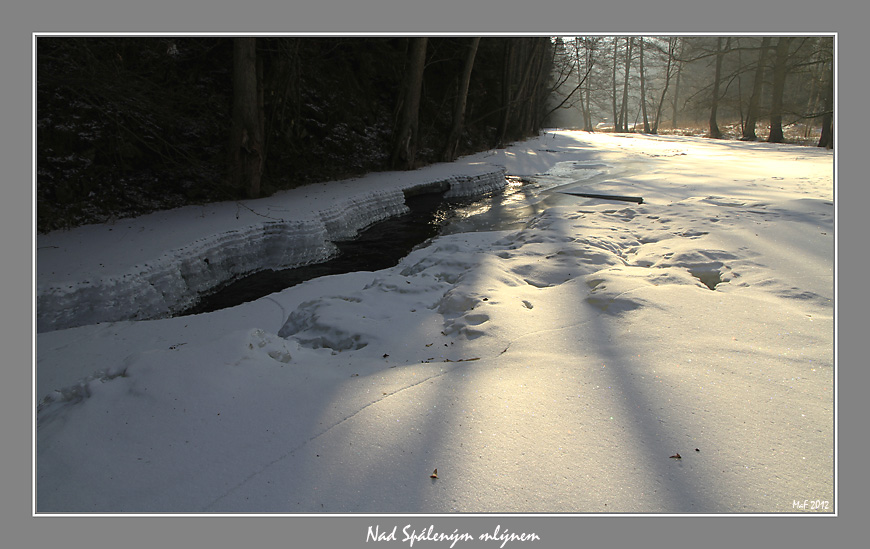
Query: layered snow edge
{"type": "Point", "coordinates": [175, 280]}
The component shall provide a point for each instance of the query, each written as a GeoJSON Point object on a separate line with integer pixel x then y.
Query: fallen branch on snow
{"type": "Point", "coordinates": [637, 199]}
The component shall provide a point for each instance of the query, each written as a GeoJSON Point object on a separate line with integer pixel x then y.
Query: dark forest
{"type": "Point", "coordinates": [129, 125]}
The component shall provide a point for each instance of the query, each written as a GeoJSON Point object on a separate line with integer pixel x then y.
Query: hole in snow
{"type": "Point", "coordinates": [709, 278]}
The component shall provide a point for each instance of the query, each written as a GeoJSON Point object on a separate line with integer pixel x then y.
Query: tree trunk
{"type": "Point", "coordinates": [672, 42]}
{"type": "Point", "coordinates": [246, 148]}
{"type": "Point", "coordinates": [450, 150]}
{"type": "Point", "coordinates": [740, 91]}
{"type": "Point", "coordinates": [538, 95]}
{"type": "Point", "coordinates": [526, 92]}
{"type": "Point", "coordinates": [581, 79]}
{"type": "Point", "coordinates": [576, 44]}
{"type": "Point", "coordinates": [613, 95]}
{"type": "Point", "coordinates": [527, 59]}
{"type": "Point", "coordinates": [261, 107]}
{"type": "Point", "coordinates": [623, 110]}
{"type": "Point", "coordinates": [524, 57]}
{"type": "Point", "coordinates": [714, 107]}
{"type": "Point", "coordinates": [827, 137]}
{"type": "Point", "coordinates": [815, 98]}
{"type": "Point", "coordinates": [587, 105]}
{"type": "Point", "coordinates": [677, 85]}
{"type": "Point", "coordinates": [405, 138]}
{"type": "Point", "coordinates": [506, 94]}
{"type": "Point", "coordinates": [752, 111]}
{"type": "Point", "coordinates": [646, 128]}
{"type": "Point", "coordinates": [780, 71]}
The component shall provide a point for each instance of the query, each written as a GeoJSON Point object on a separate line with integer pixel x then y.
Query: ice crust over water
{"type": "Point", "coordinates": [174, 281]}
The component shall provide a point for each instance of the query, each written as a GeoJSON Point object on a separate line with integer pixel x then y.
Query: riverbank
{"type": "Point", "coordinates": [159, 264]}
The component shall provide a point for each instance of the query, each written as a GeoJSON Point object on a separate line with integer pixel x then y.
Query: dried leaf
{"type": "Point", "coordinates": [677, 456]}
{"type": "Point", "coordinates": [434, 474]}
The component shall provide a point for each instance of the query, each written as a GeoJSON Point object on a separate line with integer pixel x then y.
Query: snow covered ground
{"type": "Point", "coordinates": [554, 366]}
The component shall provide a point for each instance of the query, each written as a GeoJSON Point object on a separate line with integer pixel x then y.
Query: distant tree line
{"type": "Point", "coordinates": [647, 83]}
{"type": "Point", "coordinates": [126, 125]}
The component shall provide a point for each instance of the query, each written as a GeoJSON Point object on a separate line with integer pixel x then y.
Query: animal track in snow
{"type": "Point", "coordinates": [475, 319]}
{"type": "Point", "coordinates": [466, 325]}
{"type": "Point", "coordinates": [274, 346]}
{"type": "Point", "coordinates": [692, 233]}
{"type": "Point", "coordinates": [627, 214]}
{"type": "Point", "coordinates": [315, 325]}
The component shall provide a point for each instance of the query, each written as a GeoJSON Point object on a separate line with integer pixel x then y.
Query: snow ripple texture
{"type": "Point", "coordinates": [175, 280]}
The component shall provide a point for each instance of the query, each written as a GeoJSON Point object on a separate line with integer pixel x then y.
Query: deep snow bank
{"type": "Point", "coordinates": [196, 262]}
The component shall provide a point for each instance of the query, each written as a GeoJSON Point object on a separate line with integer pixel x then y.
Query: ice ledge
{"type": "Point", "coordinates": [173, 280]}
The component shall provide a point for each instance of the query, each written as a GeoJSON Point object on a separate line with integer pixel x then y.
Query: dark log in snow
{"type": "Point", "coordinates": [637, 199]}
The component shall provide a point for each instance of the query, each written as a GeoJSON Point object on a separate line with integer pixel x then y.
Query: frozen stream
{"type": "Point", "coordinates": [160, 265]}
{"type": "Point", "coordinates": [526, 196]}
{"type": "Point", "coordinates": [385, 243]}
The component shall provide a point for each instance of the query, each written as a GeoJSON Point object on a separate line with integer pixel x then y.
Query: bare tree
{"type": "Point", "coordinates": [450, 148]}
{"type": "Point", "coordinates": [646, 128]}
{"type": "Point", "coordinates": [405, 137]}
{"type": "Point", "coordinates": [623, 110]}
{"type": "Point", "coordinates": [577, 66]}
{"type": "Point", "coordinates": [247, 155]}
{"type": "Point", "coordinates": [526, 64]}
{"type": "Point", "coordinates": [616, 115]}
{"type": "Point", "coordinates": [506, 95]}
{"type": "Point", "coordinates": [827, 137]}
{"type": "Point", "coordinates": [531, 87]}
{"type": "Point", "coordinates": [677, 84]}
{"type": "Point", "coordinates": [672, 44]}
{"type": "Point", "coordinates": [715, 133]}
{"type": "Point", "coordinates": [780, 71]}
{"type": "Point", "coordinates": [589, 44]}
{"type": "Point", "coordinates": [758, 82]}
